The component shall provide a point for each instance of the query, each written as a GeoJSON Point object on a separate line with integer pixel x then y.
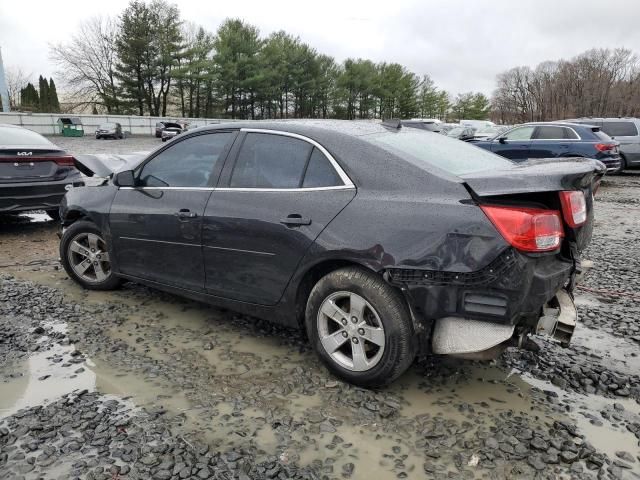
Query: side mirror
{"type": "Point", "coordinates": [502, 139]}
{"type": "Point", "coordinates": [124, 179]}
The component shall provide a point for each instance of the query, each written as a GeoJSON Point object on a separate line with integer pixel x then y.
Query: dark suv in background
{"type": "Point", "coordinates": [624, 130]}
{"type": "Point", "coordinates": [555, 140]}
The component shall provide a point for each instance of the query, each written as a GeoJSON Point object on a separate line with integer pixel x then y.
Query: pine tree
{"type": "Point", "coordinates": [44, 105]}
{"type": "Point", "coordinates": [29, 98]}
{"type": "Point", "coordinates": [54, 103]}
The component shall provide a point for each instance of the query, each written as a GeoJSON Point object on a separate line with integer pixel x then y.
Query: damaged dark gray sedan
{"type": "Point", "coordinates": [380, 241]}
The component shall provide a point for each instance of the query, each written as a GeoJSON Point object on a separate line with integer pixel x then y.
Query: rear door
{"type": "Point", "coordinates": [550, 141]}
{"type": "Point", "coordinates": [272, 203]}
{"type": "Point", "coordinates": [514, 144]}
{"type": "Point", "coordinates": [156, 227]}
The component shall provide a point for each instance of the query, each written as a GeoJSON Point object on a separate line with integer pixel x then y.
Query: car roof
{"type": "Point", "coordinates": [560, 123]}
{"type": "Point", "coordinates": [361, 159]}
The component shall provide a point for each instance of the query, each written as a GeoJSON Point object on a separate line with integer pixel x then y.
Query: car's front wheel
{"type": "Point", "coordinates": [360, 327]}
{"type": "Point", "coordinates": [85, 257]}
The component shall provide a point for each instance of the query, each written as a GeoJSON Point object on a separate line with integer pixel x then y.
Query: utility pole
{"type": "Point", "coordinates": [4, 92]}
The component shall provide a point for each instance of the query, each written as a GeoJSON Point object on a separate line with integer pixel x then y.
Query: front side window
{"type": "Point", "coordinates": [188, 163]}
{"type": "Point", "coordinates": [619, 129]}
{"type": "Point", "coordinates": [522, 133]}
{"type": "Point", "coordinates": [270, 161]}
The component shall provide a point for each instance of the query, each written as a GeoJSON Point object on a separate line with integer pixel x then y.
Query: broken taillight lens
{"type": "Point", "coordinates": [574, 207]}
{"type": "Point", "coordinates": [527, 229]}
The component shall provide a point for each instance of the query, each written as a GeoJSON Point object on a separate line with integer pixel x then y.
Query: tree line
{"type": "Point", "coordinates": [43, 99]}
{"type": "Point", "coordinates": [150, 62]}
{"type": "Point", "coordinates": [596, 83]}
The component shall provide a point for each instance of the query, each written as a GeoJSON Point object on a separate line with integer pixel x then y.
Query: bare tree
{"type": "Point", "coordinates": [16, 81]}
{"type": "Point", "coordinates": [598, 83]}
{"type": "Point", "coordinates": [87, 63]}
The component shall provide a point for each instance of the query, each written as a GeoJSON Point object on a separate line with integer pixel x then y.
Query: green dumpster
{"type": "Point", "coordinates": [70, 127]}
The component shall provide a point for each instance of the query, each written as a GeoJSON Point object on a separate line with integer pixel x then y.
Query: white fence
{"type": "Point", "coordinates": [46, 123]}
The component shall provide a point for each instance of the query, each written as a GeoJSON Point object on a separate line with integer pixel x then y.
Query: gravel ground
{"type": "Point", "coordinates": [141, 384]}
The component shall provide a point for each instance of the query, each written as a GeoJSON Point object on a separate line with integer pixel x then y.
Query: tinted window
{"type": "Point", "coordinates": [600, 135]}
{"type": "Point", "coordinates": [188, 163]}
{"type": "Point", "coordinates": [21, 136]}
{"type": "Point", "coordinates": [424, 150]}
{"type": "Point", "coordinates": [522, 133]}
{"type": "Point", "coordinates": [548, 132]}
{"type": "Point", "coordinates": [320, 172]}
{"type": "Point", "coordinates": [619, 129]}
{"type": "Point", "coordinates": [270, 161]}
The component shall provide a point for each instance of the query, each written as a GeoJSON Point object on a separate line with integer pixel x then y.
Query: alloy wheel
{"type": "Point", "coordinates": [351, 331]}
{"type": "Point", "coordinates": [89, 258]}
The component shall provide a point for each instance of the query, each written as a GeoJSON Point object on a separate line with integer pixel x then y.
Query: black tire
{"type": "Point", "coordinates": [54, 213]}
{"type": "Point", "coordinates": [623, 165]}
{"type": "Point", "coordinates": [164, 139]}
{"type": "Point", "coordinates": [83, 226]}
{"type": "Point", "coordinates": [400, 341]}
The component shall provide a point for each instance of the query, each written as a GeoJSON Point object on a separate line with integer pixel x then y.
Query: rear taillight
{"type": "Point", "coordinates": [527, 229]}
{"type": "Point", "coordinates": [574, 207]}
{"type": "Point", "coordinates": [64, 161]}
{"type": "Point", "coordinates": [605, 147]}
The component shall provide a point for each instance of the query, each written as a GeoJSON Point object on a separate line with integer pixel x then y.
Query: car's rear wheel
{"type": "Point", "coordinates": [85, 257]}
{"type": "Point", "coordinates": [360, 327]}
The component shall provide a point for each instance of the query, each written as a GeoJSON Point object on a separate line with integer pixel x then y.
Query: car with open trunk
{"type": "Point", "coordinates": [380, 241]}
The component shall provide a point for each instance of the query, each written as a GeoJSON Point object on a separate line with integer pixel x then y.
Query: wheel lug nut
{"type": "Point", "coordinates": [355, 340]}
{"type": "Point", "coordinates": [354, 319]}
{"type": "Point", "coordinates": [361, 331]}
{"type": "Point", "coordinates": [93, 250]}
{"type": "Point", "coordinates": [345, 334]}
{"type": "Point", "coordinates": [95, 263]}
{"type": "Point", "coordinates": [344, 321]}
{"type": "Point", "coordinates": [98, 256]}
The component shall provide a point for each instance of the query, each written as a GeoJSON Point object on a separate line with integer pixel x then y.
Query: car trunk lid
{"type": "Point", "coordinates": [28, 164]}
{"type": "Point", "coordinates": [536, 182]}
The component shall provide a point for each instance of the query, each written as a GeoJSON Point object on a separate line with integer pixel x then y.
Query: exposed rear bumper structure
{"type": "Point", "coordinates": [484, 340]}
{"type": "Point", "coordinates": [20, 197]}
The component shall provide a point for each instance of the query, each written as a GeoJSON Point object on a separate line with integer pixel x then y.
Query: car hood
{"type": "Point", "coordinates": [106, 164]}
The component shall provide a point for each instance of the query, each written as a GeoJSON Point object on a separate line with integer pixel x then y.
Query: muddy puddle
{"type": "Point", "coordinates": [235, 362]}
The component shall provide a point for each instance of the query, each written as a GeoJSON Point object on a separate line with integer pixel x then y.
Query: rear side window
{"type": "Point", "coordinates": [427, 150]}
{"type": "Point", "coordinates": [548, 132]}
{"type": "Point", "coordinates": [320, 172]}
{"type": "Point", "coordinates": [270, 161]}
{"type": "Point", "coordinates": [619, 129]}
{"type": "Point", "coordinates": [188, 163]}
{"type": "Point", "coordinates": [600, 135]}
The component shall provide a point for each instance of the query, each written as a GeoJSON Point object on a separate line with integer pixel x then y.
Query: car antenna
{"type": "Point", "coordinates": [392, 123]}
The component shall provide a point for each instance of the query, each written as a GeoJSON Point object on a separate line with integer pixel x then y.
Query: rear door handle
{"type": "Point", "coordinates": [295, 219]}
{"type": "Point", "coordinates": [185, 213]}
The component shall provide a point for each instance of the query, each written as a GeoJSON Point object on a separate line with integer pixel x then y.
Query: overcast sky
{"type": "Point", "coordinates": [461, 44]}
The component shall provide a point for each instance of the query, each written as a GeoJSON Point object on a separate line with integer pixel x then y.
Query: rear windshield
{"type": "Point", "coordinates": [429, 149]}
{"type": "Point", "coordinates": [600, 135]}
{"type": "Point", "coordinates": [619, 129]}
{"type": "Point", "coordinates": [172, 125]}
{"type": "Point", "coordinates": [21, 136]}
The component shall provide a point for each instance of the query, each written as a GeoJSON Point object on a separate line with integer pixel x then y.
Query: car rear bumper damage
{"type": "Point", "coordinates": [477, 314]}
{"type": "Point", "coordinates": [20, 197]}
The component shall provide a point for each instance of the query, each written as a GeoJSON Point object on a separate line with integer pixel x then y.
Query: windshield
{"type": "Point", "coordinates": [21, 136]}
{"type": "Point", "coordinates": [426, 149]}
{"type": "Point", "coordinates": [108, 125]}
{"type": "Point", "coordinates": [454, 132]}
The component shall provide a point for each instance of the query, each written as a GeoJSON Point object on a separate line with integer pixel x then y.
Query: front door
{"type": "Point", "coordinates": [282, 192]}
{"type": "Point", "coordinates": [514, 144]}
{"type": "Point", "coordinates": [156, 226]}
